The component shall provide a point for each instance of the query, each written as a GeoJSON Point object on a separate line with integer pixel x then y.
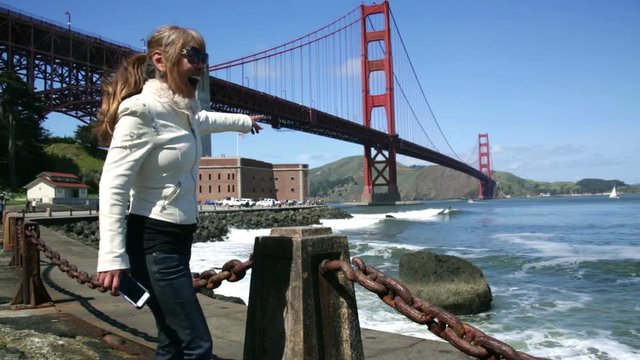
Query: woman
{"type": "Point", "coordinates": [152, 120]}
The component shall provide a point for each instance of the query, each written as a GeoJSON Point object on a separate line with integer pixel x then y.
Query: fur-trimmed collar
{"type": "Point", "coordinates": [163, 93]}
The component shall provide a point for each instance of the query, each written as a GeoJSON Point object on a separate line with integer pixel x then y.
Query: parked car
{"type": "Point", "coordinates": [246, 202]}
{"type": "Point", "coordinates": [267, 202]}
{"type": "Point", "coordinates": [231, 202]}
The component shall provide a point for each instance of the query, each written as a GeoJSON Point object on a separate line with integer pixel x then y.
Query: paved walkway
{"type": "Point", "coordinates": [226, 320]}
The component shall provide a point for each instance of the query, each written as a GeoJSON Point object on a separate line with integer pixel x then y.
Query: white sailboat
{"type": "Point", "coordinates": [614, 194]}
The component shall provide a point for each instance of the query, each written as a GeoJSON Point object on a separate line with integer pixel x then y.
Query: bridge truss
{"type": "Point", "coordinates": [66, 67]}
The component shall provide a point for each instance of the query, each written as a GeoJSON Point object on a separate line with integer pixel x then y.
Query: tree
{"type": "Point", "coordinates": [85, 135]}
{"type": "Point", "coordinates": [21, 133]}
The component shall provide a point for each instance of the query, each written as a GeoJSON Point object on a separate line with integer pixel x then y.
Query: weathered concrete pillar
{"type": "Point", "coordinates": [294, 312]}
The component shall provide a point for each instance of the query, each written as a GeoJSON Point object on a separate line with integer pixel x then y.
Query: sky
{"type": "Point", "coordinates": [555, 83]}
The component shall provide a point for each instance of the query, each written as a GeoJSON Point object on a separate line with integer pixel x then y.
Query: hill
{"type": "Point", "coordinates": [342, 181]}
{"type": "Point", "coordinates": [76, 159]}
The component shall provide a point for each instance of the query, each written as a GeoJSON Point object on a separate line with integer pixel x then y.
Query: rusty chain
{"type": "Point", "coordinates": [443, 324]}
{"type": "Point", "coordinates": [233, 270]}
{"type": "Point", "coordinates": [394, 293]}
{"type": "Point", "coordinates": [32, 232]}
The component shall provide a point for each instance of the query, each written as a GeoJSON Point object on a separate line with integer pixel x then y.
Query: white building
{"type": "Point", "coordinates": [57, 188]}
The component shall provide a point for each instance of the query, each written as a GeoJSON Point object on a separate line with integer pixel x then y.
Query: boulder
{"type": "Point", "coordinates": [449, 282]}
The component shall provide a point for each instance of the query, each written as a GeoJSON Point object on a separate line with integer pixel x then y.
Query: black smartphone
{"type": "Point", "coordinates": [132, 291]}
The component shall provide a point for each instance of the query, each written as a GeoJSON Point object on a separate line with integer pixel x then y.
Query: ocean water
{"type": "Point", "coordinates": [564, 271]}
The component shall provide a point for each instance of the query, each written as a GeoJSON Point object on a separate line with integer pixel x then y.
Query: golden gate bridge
{"type": "Point", "coordinates": [351, 80]}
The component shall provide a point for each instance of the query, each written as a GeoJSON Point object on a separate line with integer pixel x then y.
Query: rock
{"type": "Point", "coordinates": [450, 282]}
{"type": "Point", "coordinates": [214, 226]}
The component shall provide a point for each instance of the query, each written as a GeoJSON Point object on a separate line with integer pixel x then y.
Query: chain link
{"type": "Point", "coordinates": [232, 271]}
{"type": "Point", "coordinates": [32, 233]}
{"type": "Point", "coordinates": [394, 293]}
{"type": "Point", "coordinates": [443, 324]}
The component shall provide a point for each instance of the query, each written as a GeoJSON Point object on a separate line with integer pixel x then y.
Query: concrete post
{"type": "Point", "coordinates": [295, 312]}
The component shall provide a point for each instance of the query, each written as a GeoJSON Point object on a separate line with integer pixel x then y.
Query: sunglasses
{"type": "Point", "coordinates": [195, 55]}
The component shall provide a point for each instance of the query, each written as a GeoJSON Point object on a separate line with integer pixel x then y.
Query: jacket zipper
{"type": "Point", "coordinates": [172, 195]}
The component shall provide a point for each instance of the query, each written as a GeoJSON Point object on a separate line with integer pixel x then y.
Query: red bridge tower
{"type": "Point", "coordinates": [484, 164]}
{"type": "Point", "coordinates": [379, 167]}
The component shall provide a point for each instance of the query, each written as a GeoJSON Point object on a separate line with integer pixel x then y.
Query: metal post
{"type": "Point", "coordinates": [12, 243]}
{"type": "Point", "coordinates": [32, 292]}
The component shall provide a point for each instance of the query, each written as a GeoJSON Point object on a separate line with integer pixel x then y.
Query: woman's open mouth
{"type": "Point", "coordinates": [193, 80]}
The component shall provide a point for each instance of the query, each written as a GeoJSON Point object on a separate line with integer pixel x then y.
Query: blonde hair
{"type": "Point", "coordinates": [130, 77]}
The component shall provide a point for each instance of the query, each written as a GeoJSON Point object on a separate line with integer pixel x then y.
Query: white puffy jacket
{"type": "Point", "coordinates": [153, 162]}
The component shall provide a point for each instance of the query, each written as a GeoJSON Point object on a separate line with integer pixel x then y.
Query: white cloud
{"type": "Point", "coordinates": [566, 162]}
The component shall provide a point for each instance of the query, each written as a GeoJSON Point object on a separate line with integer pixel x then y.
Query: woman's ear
{"type": "Point", "coordinates": [158, 61]}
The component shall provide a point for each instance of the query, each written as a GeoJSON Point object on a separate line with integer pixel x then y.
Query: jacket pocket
{"type": "Point", "coordinates": [172, 195]}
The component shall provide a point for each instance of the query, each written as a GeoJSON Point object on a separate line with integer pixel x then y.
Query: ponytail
{"type": "Point", "coordinates": [126, 82]}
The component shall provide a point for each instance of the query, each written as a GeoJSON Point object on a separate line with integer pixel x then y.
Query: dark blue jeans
{"type": "Point", "coordinates": [182, 328]}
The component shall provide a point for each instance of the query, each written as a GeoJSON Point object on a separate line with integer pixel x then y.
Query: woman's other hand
{"type": "Point", "coordinates": [110, 280]}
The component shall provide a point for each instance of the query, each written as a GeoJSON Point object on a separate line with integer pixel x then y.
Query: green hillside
{"type": "Point", "coordinates": [342, 181]}
{"type": "Point", "coordinates": [75, 159]}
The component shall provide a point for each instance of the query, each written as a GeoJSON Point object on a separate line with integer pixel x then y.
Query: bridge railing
{"type": "Point", "coordinates": [302, 298]}
{"type": "Point", "coordinates": [21, 14]}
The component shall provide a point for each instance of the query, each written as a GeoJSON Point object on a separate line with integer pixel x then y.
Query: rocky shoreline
{"type": "Point", "coordinates": [214, 226]}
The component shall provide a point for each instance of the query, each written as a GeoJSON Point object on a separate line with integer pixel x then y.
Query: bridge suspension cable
{"type": "Point", "coordinates": [322, 70]}
{"type": "Point", "coordinates": [319, 70]}
{"type": "Point", "coordinates": [421, 90]}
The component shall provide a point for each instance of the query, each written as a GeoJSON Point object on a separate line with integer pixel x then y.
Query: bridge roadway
{"type": "Point", "coordinates": [231, 97]}
{"type": "Point", "coordinates": [77, 307]}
